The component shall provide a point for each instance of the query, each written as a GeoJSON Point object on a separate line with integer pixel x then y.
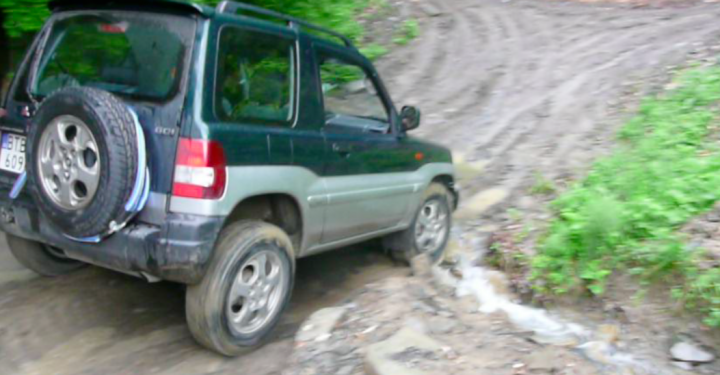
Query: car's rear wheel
{"type": "Point", "coordinates": [247, 286]}
{"type": "Point", "coordinates": [42, 259]}
{"type": "Point", "coordinates": [429, 231]}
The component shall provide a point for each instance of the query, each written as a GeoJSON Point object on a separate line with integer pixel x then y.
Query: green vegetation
{"type": "Point", "coordinates": [409, 31]}
{"type": "Point", "coordinates": [625, 215]}
{"type": "Point", "coordinates": [542, 186]}
{"type": "Point", "coordinates": [27, 16]}
{"type": "Point", "coordinates": [23, 16]}
{"type": "Point", "coordinates": [373, 51]}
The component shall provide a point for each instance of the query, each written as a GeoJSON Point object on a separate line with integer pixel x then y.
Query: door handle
{"type": "Point", "coordinates": [342, 149]}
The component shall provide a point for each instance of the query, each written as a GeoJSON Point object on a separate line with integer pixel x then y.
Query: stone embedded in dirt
{"type": "Point", "coordinates": [355, 86]}
{"type": "Point", "coordinates": [713, 217]}
{"type": "Point", "coordinates": [528, 203]}
{"type": "Point", "coordinates": [566, 341]}
{"type": "Point", "coordinates": [418, 291]}
{"type": "Point", "coordinates": [481, 202]}
{"type": "Point", "coordinates": [443, 280]}
{"type": "Point", "coordinates": [616, 312]}
{"type": "Point", "coordinates": [608, 333]}
{"type": "Point", "coordinates": [429, 9]}
{"type": "Point", "coordinates": [422, 306]}
{"type": "Point", "coordinates": [455, 250]}
{"type": "Point", "coordinates": [467, 304]}
{"type": "Point", "coordinates": [416, 324]}
{"type": "Point", "coordinates": [687, 352]}
{"type": "Point", "coordinates": [683, 365]}
{"type": "Point", "coordinates": [598, 351]}
{"type": "Point", "coordinates": [468, 171]}
{"type": "Point", "coordinates": [499, 282]}
{"type": "Point", "coordinates": [320, 324]}
{"type": "Point", "coordinates": [413, 354]}
{"type": "Point", "coordinates": [542, 361]}
{"type": "Point", "coordinates": [421, 266]}
{"type": "Point", "coordinates": [399, 354]}
{"type": "Point", "coordinates": [441, 325]}
{"type": "Point", "coordinates": [346, 370]}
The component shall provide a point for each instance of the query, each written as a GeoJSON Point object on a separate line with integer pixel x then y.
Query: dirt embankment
{"type": "Point", "coordinates": [527, 88]}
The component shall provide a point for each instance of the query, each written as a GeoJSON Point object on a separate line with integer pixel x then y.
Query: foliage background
{"type": "Point", "coordinates": [22, 18]}
{"type": "Point", "coordinates": [27, 16]}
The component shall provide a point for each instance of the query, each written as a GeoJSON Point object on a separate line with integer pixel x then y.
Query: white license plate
{"type": "Point", "coordinates": [12, 154]}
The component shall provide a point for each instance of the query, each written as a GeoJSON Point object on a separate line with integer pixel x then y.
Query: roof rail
{"type": "Point", "coordinates": [56, 5]}
{"type": "Point", "coordinates": [233, 7]}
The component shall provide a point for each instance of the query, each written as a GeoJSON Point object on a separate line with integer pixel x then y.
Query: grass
{"type": "Point", "coordinates": [542, 186]}
{"type": "Point", "coordinates": [410, 30]}
{"type": "Point", "coordinates": [625, 215]}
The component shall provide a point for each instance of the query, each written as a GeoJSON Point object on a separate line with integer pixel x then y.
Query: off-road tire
{"type": "Point", "coordinates": [113, 127]}
{"type": "Point", "coordinates": [402, 246]}
{"type": "Point", "coordinates": [40, 259]}
{"type": "Point", "coordinates": [206, 302]}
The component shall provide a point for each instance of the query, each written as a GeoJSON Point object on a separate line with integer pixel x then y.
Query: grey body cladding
{"type": "Point", "coordinates": [336, 211]}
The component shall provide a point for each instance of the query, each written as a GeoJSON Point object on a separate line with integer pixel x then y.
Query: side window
{"type": "Point", "coordinates": [255, 78]}
{"type": "Point", "coordinates": [351, 99]}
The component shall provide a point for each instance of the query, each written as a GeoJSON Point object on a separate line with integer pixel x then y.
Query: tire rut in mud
{"type": "Point", "coordinates": [533, 87]}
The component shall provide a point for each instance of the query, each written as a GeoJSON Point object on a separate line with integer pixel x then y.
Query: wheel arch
{"type": "Point", "coordinates": [281, 209]}
{"type": "Point", "coordinates": [449, 182]}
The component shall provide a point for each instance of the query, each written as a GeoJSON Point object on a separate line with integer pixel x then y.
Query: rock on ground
{"type": "Point", "coordinates": [408, 352]}
{"type": "Point", "coordinates": [687, 352]}
{"type": "Point", "coordinates": [320, 324]}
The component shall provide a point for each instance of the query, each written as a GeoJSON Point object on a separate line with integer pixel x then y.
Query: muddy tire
{"type": "Point", "coordinates": [40, 258]}
{"type": "Point", "coordinates": [245, 290]}
{"type": "Point", "coordinates": [429, 231]}
{"type": "Point", "coordinates": [83, 151]}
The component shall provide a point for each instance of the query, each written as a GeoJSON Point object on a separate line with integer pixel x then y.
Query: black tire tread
{"type": "Point", "coordinates": [117, 127]}
{"type": "Point", "coordinates": [202, 300]}
{"type": "Point", "coordinates": [33, 256]}
{"type": "Point", "coordinates": [401, 245]}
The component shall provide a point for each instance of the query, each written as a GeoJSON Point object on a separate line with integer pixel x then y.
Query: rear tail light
{"type": "Point", "coordinates": [199, 169]}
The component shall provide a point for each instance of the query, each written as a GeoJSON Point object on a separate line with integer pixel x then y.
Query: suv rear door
{"type": "Point", "coordinates": [141, 56]}
{"type": "Point", "coordinates": [366, 176]}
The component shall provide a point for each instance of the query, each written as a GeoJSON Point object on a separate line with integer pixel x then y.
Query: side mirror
{"type": "Point", "coordinates": [410, 117]}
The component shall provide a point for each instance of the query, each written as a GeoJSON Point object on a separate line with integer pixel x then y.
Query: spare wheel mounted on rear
{"type": "Point", "coordinates": [83, 161]}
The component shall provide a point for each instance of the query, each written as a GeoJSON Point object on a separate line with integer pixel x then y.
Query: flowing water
{"type": "Point", "coordinates": [479, 282]}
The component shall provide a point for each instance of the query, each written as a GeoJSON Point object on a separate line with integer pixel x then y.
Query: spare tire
{"type": "Point", "coordinates": [83, 153]}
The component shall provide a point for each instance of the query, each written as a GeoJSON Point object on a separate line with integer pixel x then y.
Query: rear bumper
{"type": "Point", "coordinates": [178, 250]}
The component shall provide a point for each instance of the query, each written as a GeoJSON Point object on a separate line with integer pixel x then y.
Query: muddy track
{"type": "Point", "coordinates": [532, 87]}
{"type": "Point", "coordinates": [528, 86]}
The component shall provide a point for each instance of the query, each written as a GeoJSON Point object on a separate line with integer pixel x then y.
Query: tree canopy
{"type": "Point", "coordinates": [27, 16]}
{"type": "Point", "coordinates": [23, 16]}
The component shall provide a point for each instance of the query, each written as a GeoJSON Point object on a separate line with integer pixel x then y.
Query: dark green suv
{"type": "Point", "coordinates": [210, 147]}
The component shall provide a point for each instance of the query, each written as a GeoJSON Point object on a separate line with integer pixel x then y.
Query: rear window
{"type": "Point", "coordinates": [127, 53]}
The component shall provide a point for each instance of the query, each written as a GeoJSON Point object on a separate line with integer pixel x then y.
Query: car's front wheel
{"type": "Point", "coordinates": [247, 286]}
{"type": "Point", "coordinates": [429, 231]}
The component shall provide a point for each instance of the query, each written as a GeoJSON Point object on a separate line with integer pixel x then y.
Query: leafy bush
{"type": "Point", "coordinates": [23, 16]}
{"type": "Point", "coordinates": [626, 212]}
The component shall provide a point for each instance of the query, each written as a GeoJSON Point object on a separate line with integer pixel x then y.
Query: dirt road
{"type": "Point", "coordinates": [101, 322]}
{"type": "Point", "coordinates": [530, 88]}
{"type": "Point", "coordinates": [523, 87]}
